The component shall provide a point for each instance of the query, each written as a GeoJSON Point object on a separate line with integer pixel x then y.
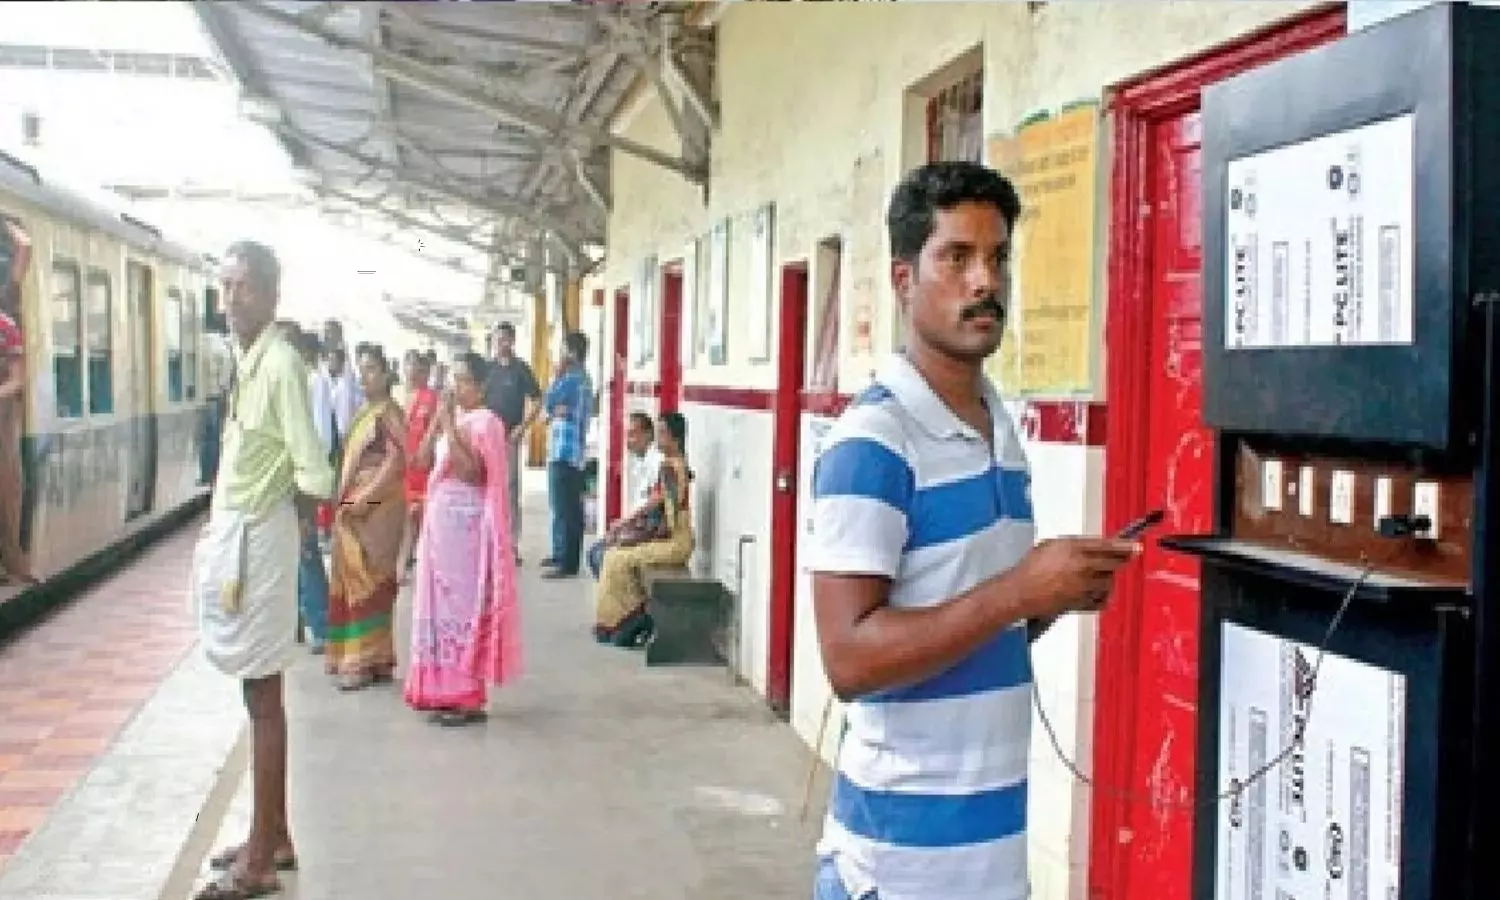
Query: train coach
{"type": "Point", "coordinates": [112, 315]}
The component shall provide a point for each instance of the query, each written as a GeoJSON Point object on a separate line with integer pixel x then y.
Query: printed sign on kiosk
{"type": "Point", "coordinates": [1349, 706]}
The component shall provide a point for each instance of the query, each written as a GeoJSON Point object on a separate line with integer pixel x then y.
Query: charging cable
{"type": "Point", "coordinates": [1236, 786]}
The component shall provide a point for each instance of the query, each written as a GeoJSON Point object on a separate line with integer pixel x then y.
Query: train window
{"type": "Point", "coordinates": [67, 339]}
{"type": "Point", "coordinates": [172, 334]}
{"type": "Point", "coordinates": [190, 332]}
{"type": "Point", "coordinates": [100, 343]}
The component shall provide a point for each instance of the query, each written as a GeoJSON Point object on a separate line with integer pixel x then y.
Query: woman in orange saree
{"type": "Point", "coordinates": [421, 408]}
{"type": "Point", "coordinates": [466, 629]}
{"type": "Point", "coordinates": [367, 530]}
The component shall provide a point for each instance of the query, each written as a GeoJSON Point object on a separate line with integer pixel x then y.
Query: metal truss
{"type": "Point", "coordinates": [545, 124]}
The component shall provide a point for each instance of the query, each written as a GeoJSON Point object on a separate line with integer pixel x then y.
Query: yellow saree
{"type": "Point", "coordinates": [367, 530]}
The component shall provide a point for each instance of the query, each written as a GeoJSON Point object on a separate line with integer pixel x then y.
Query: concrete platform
{"type": "Point", "coordinates": [595, 779]}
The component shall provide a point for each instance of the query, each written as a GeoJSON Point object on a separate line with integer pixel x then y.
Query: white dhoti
{"type": "Point", "coordinates": [244, 588]}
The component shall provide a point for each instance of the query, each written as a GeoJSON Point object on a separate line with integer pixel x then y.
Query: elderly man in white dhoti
{"type": "Point", "coordinates": [245, 565]}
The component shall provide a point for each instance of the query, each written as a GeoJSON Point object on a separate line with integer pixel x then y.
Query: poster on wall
{"type": "Point", "coordinates": [1326, 822]}
{"type": "Point", "coordinates": [643, 313]}
{"type": "Point", "coordinates": [715, 322]}
{"type": "Point", "coordinates": [1049, 343]}
{"type": "Point", "coordinates": [1319, 241]}
{"type": "Point", "coordinates": [758, 282]}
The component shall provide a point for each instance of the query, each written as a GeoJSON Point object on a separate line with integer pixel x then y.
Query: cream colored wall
{"type": "Point", "coordinates": [813, 118]}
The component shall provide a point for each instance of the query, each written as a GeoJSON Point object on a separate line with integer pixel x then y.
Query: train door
{"type": "Point", "coordinates": [141, 398]}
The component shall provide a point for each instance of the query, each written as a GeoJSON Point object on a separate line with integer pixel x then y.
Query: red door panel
{"type": "Point", "coordinates": [1179, 480]}
{"type": "Point", "coordinates": [786, 453]}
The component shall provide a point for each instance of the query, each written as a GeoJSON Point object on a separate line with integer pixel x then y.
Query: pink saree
{"type": "Point", "coordinates": [466, 628]}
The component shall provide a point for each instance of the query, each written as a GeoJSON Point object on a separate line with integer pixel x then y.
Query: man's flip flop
{"type": "Point", "coordinates": [230, 855]}
{"type": "Point", "coordinates": [235, 885]}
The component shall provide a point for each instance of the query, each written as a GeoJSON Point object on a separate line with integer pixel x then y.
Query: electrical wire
{"type": "Point", "coordinates": [1236, 787]}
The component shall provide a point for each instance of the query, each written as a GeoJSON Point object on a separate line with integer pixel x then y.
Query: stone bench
{"type": "Point", "coordinates": [690, 615]}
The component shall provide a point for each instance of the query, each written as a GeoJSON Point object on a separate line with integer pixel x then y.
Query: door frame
{"type": "Point", "coordinates": [1135, 107]}
{"type": "Point", "coordinates": [614, 484]}
{"type": "Point", "coordinates": [786, 451]}
{"type": "Point", "coordinates": [670, 287]}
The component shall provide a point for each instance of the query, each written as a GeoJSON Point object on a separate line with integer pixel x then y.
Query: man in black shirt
{"type": "Point", "coordinates": [511, 392]}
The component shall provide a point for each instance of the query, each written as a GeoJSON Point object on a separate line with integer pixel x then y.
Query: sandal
{"type": "Point", "coordinates": [349, 683]}
{"type": "Point", "coordinates": [284, 862]}
{"type": "Point", "coordinates": [234, 884]}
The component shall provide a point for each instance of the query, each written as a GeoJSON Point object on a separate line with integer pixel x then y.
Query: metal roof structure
{"type": "Point", "coordinates": [486, 124]}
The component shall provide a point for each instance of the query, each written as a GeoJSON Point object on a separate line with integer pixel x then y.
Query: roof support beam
{"type": "Point", "coordinates": [536, 119]}
{"type": "Point", "coordinates": [564, 237]}
{"type": "Point", "coordinates": [450, 233]}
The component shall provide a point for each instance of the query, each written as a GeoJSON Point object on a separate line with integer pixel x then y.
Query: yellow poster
{"type": "Point", "coordinates": [1050, 339]}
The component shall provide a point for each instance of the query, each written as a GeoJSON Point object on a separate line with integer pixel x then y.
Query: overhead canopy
{"type": "Point", "coordinates": [484, 123]}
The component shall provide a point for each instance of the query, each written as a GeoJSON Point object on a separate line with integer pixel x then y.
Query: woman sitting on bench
{"type": "Point", "coordinates": [659, 534]}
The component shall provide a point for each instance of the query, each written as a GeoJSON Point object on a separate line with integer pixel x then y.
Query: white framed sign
{"type": "Point", "coordinates": [643, 312]}
{"type": "Point", "coordinates": [715, 309]}
{"type": "Point", "coordinates": [1326, 822]}
{"type": "Point", "coordinates": [1318, 248]}
{"type": "Point", "coordinates": [759, 282]}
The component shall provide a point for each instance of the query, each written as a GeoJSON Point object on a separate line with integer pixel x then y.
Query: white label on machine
{"type": "Point", "coordinates": [1326, 821]}
{"type": "Point", "coordinates": [1319, 241]}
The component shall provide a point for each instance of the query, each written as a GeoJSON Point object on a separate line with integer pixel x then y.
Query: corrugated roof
{"type": "Point", "coordinates": [487, 123]}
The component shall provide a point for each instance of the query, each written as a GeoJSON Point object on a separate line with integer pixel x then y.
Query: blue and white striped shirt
{"type": "Point", "coordinates": [929, 802]}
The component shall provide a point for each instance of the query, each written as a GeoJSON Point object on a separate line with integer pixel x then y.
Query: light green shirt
{"type": "Point", "coordinates": [271, 448]}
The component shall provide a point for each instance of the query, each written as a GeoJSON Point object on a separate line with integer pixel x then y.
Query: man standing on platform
{"type": "Point", "coordinates": [926, 584]}
{"type": "Point", "coordinates": [511, 393]}
{"type": "Point", "coordinates": [245, 565]}
{"type": "Point", "coordinates": [569, 405]}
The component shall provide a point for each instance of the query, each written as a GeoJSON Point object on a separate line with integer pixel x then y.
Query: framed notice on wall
{"type": "Point", "coordinates": [760, 296]}
{"type": "Point", "coordinates": [715, 308]}
{"type": "Point", "coordinates": [1050, 336]}
{"type": "Point", "coordinates": [643, 316]}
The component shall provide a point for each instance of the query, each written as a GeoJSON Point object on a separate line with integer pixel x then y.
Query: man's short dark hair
{"type": "Point", "coordinates": [577, 345]}
{"type": "Point", "coordinates": [912, 214]}
{"type": "Point", "coordinates": [506, 328]}
{"type": "Point", "coordinates": [643, 420]}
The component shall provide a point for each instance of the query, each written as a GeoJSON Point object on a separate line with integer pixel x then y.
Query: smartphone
{"type": "Point", "coordinates": [1138, 527]}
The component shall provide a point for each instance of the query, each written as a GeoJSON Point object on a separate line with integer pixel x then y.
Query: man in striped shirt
{"type": "Point", "coordinates": [926, 583]}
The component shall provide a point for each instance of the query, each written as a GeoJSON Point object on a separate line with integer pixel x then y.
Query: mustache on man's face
{"type": "Point", "coordinates": [988, 306]}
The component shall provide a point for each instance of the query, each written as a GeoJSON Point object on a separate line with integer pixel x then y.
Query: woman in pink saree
{"type": "Point", "coordinates": [466, 629]}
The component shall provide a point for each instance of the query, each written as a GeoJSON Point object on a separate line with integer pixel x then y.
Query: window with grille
{"type": "Point", "coordinates": [67, 338]}
{"type": "Point", "coordinates": [171, 326]}
{"type": "Point", "coordinates": [100, 328]}
{"type": "Point", "coordinates": [955, 121]}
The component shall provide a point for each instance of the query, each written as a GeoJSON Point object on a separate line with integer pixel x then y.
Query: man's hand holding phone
{"type": "Point", "coordinates": [1073, 574]}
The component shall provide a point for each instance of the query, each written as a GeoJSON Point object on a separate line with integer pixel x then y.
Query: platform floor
{"type": "Point", "coordinates": [595, 779]}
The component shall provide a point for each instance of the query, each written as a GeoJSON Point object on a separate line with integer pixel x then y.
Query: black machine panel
{"type": "Point", "coordinates": [1343, 248]}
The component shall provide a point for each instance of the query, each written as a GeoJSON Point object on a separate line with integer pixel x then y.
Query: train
{"type": "Point", "coordinates": [112, 315]}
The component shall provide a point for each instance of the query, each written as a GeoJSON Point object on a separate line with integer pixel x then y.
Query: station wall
{"type": "Point", "coordinates": [819, 116]}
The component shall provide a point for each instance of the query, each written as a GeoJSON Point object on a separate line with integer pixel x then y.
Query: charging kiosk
{"type": "Point", "coordinates": [1350, 646]}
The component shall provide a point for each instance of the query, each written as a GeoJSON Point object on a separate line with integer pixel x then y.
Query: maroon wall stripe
{"type": "Point", "coordinates": [1069, 422]}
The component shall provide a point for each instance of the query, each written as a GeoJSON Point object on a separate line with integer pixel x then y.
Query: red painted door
{"type": "Point", "coordinates": [1179, 479]}
{"type": "Point", "coordinates": [785, 454]}
{"type": "Point", "coordinates": [669, 341]}
{"type": "Point", "coordinates": [618, 387]}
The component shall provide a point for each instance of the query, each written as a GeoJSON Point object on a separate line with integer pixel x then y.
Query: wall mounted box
{"type": "Point", "coordinates": [1350, 226]}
